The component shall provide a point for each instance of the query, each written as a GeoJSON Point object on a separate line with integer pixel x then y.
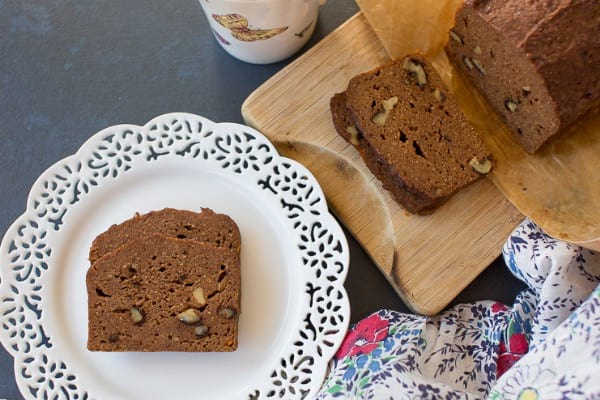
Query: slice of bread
{"type": "Point", "coordinates": [410, 133]}
{"type": "Point", "coordinates": [158, 293]}
{"type": "Point", "coordinates": [206, 227]}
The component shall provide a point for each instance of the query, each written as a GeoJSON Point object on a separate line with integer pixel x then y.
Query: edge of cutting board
{"type": "Point", "coordinates": [428, 260]}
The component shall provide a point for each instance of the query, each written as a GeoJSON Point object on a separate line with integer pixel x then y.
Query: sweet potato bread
{"type": "Point", "coordinates": [535, 61]}
{"type": "Point", "coordinates": [410, 133]}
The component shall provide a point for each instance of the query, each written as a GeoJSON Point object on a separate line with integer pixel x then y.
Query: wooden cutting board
{"type": "Point", "coordinates": [427, 259]}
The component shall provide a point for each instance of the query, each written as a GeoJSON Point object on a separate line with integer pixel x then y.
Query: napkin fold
{"type": "Point", "coordinates": [545, 346]}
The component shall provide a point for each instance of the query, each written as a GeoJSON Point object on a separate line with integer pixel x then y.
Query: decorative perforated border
{"type": "Point", "coordinates": [109, 154]}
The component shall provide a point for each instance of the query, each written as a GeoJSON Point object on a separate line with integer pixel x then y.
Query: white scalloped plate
{"type": "Point", "coordinates": [295, 310]}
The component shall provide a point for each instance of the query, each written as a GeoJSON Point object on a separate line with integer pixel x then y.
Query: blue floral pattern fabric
{"type": "Point", "coordinates": [545, 346]}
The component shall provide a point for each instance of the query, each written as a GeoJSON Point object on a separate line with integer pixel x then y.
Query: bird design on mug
{"type": "Point", "coordinates": [238, 25]}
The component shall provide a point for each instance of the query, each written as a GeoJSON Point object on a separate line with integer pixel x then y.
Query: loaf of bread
{"type": "Point", "coordinates": [206, 227]}
{"type": "Point", "coordinates": [158, 293]}
{"type": "Point", "coordinates": [410, 133]}
{"type": "Point", "coordinates": [536, 62]}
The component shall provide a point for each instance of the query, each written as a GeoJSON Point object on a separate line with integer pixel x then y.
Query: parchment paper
{"type": "Point", "coordinates": [559, 186]}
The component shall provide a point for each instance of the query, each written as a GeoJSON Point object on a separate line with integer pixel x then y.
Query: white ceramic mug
{"type": "Point", "coordinates": [262, 31]}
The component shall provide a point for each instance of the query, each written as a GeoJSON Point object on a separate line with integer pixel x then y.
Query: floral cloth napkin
{"type": "Point", "coordinates": [546, 346]}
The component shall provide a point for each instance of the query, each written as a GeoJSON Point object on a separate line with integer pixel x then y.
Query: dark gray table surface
{"type": "Point", "coordinates": [70, 68]}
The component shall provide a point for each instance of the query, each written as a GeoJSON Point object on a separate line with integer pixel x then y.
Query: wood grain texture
{"type": "Point", "coordinates": [427, 259]}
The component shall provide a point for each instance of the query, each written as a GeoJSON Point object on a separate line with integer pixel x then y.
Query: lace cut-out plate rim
{"type": "Point", "coordinates": [236, 151]}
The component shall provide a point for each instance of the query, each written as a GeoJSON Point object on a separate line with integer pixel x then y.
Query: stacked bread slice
{"type": "Point", "coordinates": [168, 280]}
{"type": "Point", "coordinates": [410, 133]}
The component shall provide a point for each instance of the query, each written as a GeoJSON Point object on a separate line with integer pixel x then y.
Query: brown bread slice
{"type": "Point", "coordinates": [346, 127]}
{"type": "Point", "coordinates": [206, 227]}
{"type": "Point", "coordinates": [536, 62]}
{"type": "Point", "coordinates": [422, 149]}
{"type": "Point", "coordinates": [137, 292]}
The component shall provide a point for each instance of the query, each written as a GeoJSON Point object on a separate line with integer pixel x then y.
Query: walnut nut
{"type": "Point", "coordinates": [198, 296]}
{"type": "Point", "coordinates": [478, 65]}
{"type": "Point", "coordinates": [417, 70]}
{"type": "Point", "coordinates": [136, 315]}
{"type": "Point", "coordinates": [388, 105]}
{"type": "Point", "coordinates": [201, 330]}
{"type": "Point", "coordinates": [510, 105]}
{"type": "Point", "coordinates": [456, 37]}
{"type": "Point", "coordinates": [353, 132]}
{"type": "Point", "coordinates": [481, 166]}
{"type": "Point", "coordinates": [189, 316]}
{"type": "Point", "coordinates": [438, 94]}
{"type": "Point", "coordinates": [468, 62]}
{"type": "Point", "coordinates": [227, 312]}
